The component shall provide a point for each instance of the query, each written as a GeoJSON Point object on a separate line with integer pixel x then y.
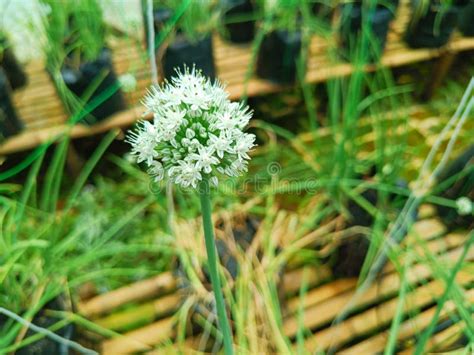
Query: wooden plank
{"type": "Point", "coordinates": [437, 246]}
{"type": "Point", "coordinates": [324, 312]}
{"type": "Point", "coordinates": [140, 340]}
{"type": "Point", "coordinates": [429, 228]}
{"type": "Point", "coordinates": [293, 279]}
{"type": "Point", "coordinates": [334, 288]}
{"type": "Point", "coordinates": [408, 329]}
{"type": "Point", "coordinates": [442, 339]}
{"type": "Point", "coordinates": [31, 139]}
{"type": "Point", "coordinates": [378, 316]}
{"type": "Point", "coordinates": [321, 294]}
{"type": "Point", "coordinates": [161, 284]}
{"type": "Point", "coordinates": [143, 338]}
{"type": "Point", "coordinates": [143, 313]}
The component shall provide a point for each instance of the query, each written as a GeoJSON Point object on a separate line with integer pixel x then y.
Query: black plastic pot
{"type": "Point", "coordinates": [278, 56]}
{"type": "Point", "coordinates": [78, 80]}
{"type": "Point", "coordinates": [457, 188]}
{"type": "Point", "coordinates": [181, 52]}
{"type": "Point", "coordinates": [44, 346]}
{"type": "Point", "coordinates": [10, 124]}
{"type": "Point", "coordinates": [243, 233]}
{"type": "Point", "coordinates": [353, 16]}
{"type": "Point", "coordinates": [11, 66]}
{"type": "Point", "coordinates": [432, 29]}
{"type": "Point", "coordinates": [238, 31]}
{"type": "Point", "coordinates": [349, 256]}
{"type": "Point", "coordinates": [466, 20]}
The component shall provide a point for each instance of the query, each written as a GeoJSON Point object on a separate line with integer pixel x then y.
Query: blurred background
{"type": "Point", "coordinates": [350, 233]}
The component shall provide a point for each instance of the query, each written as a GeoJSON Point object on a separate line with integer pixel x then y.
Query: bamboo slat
{"type": "Point", "coordinates": [375, 317]}
{"type": "Point", "coordinates": [45, 117]}
{"type": "Point", "coordinates": [444, 338]}
{"type": "Point", "coordinates": [323, 312]}
{"type": "Point", "coordinates": [143, 313]}
{"type": "Point", "coordinates": [140, 340]}
{"type": "Point", "coordinates": [161, 284]}
{"type": "Point", "coordinates": [408, 329]}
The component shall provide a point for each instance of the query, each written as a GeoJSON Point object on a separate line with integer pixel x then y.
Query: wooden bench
{"type": "Point", "coordinates": [151, 303]}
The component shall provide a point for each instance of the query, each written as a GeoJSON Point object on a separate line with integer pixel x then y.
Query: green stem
{"type": "Point", "coordinates": [212, 264]}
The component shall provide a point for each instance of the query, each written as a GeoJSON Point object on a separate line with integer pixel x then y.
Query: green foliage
{"type": "Point", "coordinates": [46, 253]}
{"type": "Point", "coordinates": [88, 29]}
{"type": "Point", "coordinates": [74, 31]}
{"type": "Point", "coordinates": [283, 14]}
{"type": "Point", "coordinates": [194, 19]}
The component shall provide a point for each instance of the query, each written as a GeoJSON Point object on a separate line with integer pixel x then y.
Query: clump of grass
{"type": "Point", "coordinates": [74, 31]}
{"type": "Point", "coordinates": [49, 253]}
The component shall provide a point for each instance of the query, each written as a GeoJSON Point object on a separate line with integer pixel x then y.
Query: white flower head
{"type": "Point", "coordinates": [196, 131]}
{"type": "Point", "coordinates": [128, 82]}
{"type": "Point", "coordinates": [464, 206]}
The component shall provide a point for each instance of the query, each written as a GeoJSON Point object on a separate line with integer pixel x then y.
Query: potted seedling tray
{"type": "Point", "coordinates": [323, 300]}
{"type": "Point", "coordinates": [189, 42]}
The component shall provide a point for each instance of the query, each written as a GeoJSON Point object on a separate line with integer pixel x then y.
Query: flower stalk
{"type": "Point", "coordinates": [212, 261]}
{"type": "Point", "coordinates": [195, 140]}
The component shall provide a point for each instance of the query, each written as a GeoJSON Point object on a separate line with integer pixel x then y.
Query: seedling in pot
{"type": "Point", "coordinates": [369, 21]}
{"type": "Point", "coordinates": [280, 49]}
{"type": "Point", "coordinates": [233, 238]}
{"type": "Point", "coordinates": [239, 20]}
{"type": "Point", "coordinates": [195, 140]}
{"type": "Point", "coordinates": [190, 41]}
{"type": "Point", "coordinates": [351, 253]}
{"type": "Point", "coordinates": [433, 22]}
{"type": "Point", "coordinates": [247, 256]}
{"type": "Point", "coordinates": [78, 60]}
